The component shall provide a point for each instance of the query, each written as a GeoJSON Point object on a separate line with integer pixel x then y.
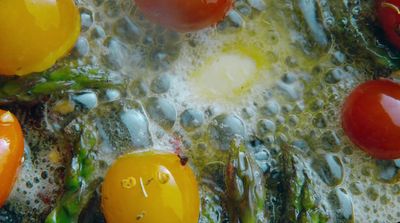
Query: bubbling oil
{"type": "Point", "coordinates": [180, 86]}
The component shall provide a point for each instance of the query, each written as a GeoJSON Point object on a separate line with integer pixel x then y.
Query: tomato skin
{"type": "Point", "coordinates": [11, 152]}
{"type": "Point", "coordinates": [185, 15]}
{"type": "Point", "coordinates": [36, 33]}
{"type": "Point", "coordinates": [371, 118]}
{"type": "Point", "coordinates": [388, 13]}
{"type": "Point", "coordinates": [150, 187]}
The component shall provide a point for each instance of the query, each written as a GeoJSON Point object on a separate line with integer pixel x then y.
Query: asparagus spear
{"type": "Point", "coordinates": [363, 34]}
{"type": "Point", "coordinates": [35, 86]}
{"type": "Point", "coordinates": [244, 187]}
{"type": "Point", "coordinates": [352, 27]}
{"type": "Point", "coordinates": [80, 182]}
{"type": "Point", "coordinates": [299, 203]}
{"type": "Point", "coordinates": [212, 210]}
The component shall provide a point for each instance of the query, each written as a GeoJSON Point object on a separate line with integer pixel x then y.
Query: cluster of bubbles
{"type": "Point", "coordinates": [300, 107]}
{"type": "Point", "coordinates": [41, 178]}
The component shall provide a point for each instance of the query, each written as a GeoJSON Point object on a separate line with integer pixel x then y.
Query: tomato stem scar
{"type": "Point", "coordinates": [184, 159]}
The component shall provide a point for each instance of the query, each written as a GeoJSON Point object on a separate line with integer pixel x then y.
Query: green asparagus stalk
{"type": "Point", "coordinates": [33, 87]}
{"type": "Point", "coordinates": [361, 31]}
{"type": "Point", "coordinates": [353, 29]}
{"type": "Point", "coordinates": [244, 188]}
{"type": "Point", "coordinates": [212, 210]}
{"type": "Point", "coordinates": [80, 182]}
{"type": "Point", "coordinates": [299, 203]}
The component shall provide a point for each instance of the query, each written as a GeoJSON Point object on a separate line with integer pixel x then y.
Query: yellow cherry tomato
{"type": "Point", "coordinates": [150, 187]}
{"type": "Point", "coordinates": [36, 33]}
{"type": "Point", "coordinates": [11, 152]}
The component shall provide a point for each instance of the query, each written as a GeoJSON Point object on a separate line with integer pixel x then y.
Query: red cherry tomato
{"type": "Point", "coordinates": [11, 152]}
{"type": "Point", "coordinates": [371, 118]}
{"type": "Point", "coordinates": [184, 15]}
{"type": "Point", "coordinates": [388, 12]}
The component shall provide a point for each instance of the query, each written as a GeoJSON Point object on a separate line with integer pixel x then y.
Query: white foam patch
{"type": "Point", "coordinates": [38, 182]}
{"type": "Point", "coordinates": [225, 75]}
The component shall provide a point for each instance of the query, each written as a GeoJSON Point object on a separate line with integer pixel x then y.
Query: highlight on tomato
{"type": "Point", "coordinates": [11, 152]}
{"type": "Point", "coordinates": [184, 15]}
{"type": "Point", "coordinates": [35, 34]}
{"type": "Point", "coordinates": [371, 118]}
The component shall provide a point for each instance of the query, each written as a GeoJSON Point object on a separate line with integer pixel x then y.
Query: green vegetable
{"type": "Point", "coordinates": [212, 210]}
{"type": "Point", "coordinates": [80, 181]}
{"type": "Point", "coordinates": [244, 187]}
{"type": "Point", "coordinates": [298, 201]}
{"type": "Point", "coordinates": [361, 32]}
{"type": "Point", "coordinates": [284, 196]}
{"type": "Point", "coordinates": [35, 86]}
{"type": "Point", "coordinates": [350, 27]}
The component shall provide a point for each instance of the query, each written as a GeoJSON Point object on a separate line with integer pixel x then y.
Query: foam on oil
{"type": "Point", "coordinates": [278, 83]}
